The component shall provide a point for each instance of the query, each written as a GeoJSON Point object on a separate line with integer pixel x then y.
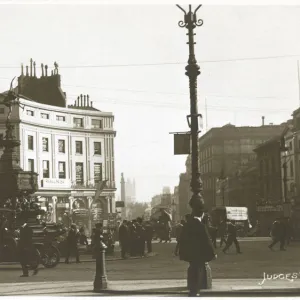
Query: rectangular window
{"type": "Point", "coordinates": [31, 165]}
{"type": "Point", "coordinates": [78, 147]}
{"type": "Point", "coordinates": [45, 168]}
{"type": "Point", "coordinates": [79, 173]}
{"type": "Point", "coordinates": [97, 148]}
{"type": "Point", "coordinates": [45, 144]}
{"type": "Point", "coordinates": [1, 110]}
{"type": "Point", "coordinates": [78, 122]}
{"type": "Point", "coordinates": [61, 146]}
{"type": "Point", "coordinates": [291, 169]}
{"type": "Point", "coordinates": [44, 116]}
{"type": "Point", "coordinates": [96, 123]}
{"type": "Point", "coordinates": [61, 118]}
{"type": "Point", "coordinates": [30, 142]}
{"type": "Point", "coordinates": [97, 172]}
{"type": "Point", "coordinates": [61, 169]}
{"type": "Point", "coordinates": [30, 112]}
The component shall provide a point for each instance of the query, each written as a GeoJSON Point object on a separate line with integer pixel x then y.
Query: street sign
{"type": "Point", "coordinates": [120, 204]}
{"type": "Point", "coordinates": [182, 143]}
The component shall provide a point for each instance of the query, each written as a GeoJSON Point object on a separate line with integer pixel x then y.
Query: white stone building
{"type": "Point", "coordinates": [72, 150]}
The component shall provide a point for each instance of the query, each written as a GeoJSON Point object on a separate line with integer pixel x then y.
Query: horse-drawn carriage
{"type": "Point", "coordinates": [44, 239]}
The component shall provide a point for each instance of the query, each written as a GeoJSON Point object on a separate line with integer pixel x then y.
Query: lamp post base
{"type": "Point", "coordinates": [100, 284]}
{"type": "Point", "coordinates": [206, 280]}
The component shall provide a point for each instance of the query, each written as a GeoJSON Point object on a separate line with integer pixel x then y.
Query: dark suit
{"type": "Point", "coordinates": [72, 241]}
{"type": "Point", "coordinates": [232, 238]}
{"type": "Point", "coordinates": [196, 248]}
{"type": "Point", "coordinates": [124, 239]}
{"type": "Point", "coordinates": [25, 247]}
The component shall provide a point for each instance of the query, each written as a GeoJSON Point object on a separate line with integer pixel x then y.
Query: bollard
{"type": "Point", "coordinates": [100, 282]}
{"type": "Point", "coordinates": [206, 280]}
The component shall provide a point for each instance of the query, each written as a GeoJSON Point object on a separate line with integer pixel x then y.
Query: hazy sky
{"type": "Point", "coordinates": [238, 81]}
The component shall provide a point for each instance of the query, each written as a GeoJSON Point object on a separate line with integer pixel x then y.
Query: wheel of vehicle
{"type": "Point", "coordinates": [50, 257]}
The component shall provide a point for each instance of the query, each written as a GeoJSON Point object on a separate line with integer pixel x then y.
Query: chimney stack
{"type": "Point", "coordinates": [87, 100]}
{"type": "Point", "coordinates": [42, 66]}
{"type": "Point", "coordinates": [27, 71]}
{"type": "Point", "coordinates": [22, 70]}
{"type": "Point", "coordinates": [31, 67]}
{"type": "Point", "coordinates": [263, 120]}
{"type": "Point", "coordinates": [84, 101]}
{"type": "Point", "coordinates": [80, 99]}
{"type": "Point", "coordinates": [34, 69]}
{"type": "Point", "coordinates": [46, 70]}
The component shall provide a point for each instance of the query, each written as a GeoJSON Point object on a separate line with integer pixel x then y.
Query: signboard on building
{"type": "Point", "coordinates": [62, 205]}
{"type": "Point", "coordinates": [120, 204]}
{"type": "Point", "coordinates": [237, 213]}
{"type": "Point", "coordinates": [56, 183]}
{"type": "Point", "coordinates": [269, 208]}
{"type": "Point", "coordinates": [182, 143]}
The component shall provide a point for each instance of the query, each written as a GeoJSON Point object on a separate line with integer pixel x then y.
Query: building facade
{"type": "Point", "coordinates": [70, 147]}
{"type": "Point", "coordinates": [225, 152]}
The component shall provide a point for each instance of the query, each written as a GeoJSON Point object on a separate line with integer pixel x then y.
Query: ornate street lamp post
{"type": "Point", "coordinates": [192, 71]}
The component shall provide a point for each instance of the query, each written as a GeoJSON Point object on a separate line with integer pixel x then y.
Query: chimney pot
{"type": "Point", "coordinates": [34, 69]}
{"type": "Point", "coordinates": [88, 100]}
{"type": "Point", "coordinates": [81, 97]}
{"type": "Point", "coordinates": [42, 66]}
{"type": "Point", "coordinates": [91, 103]}
{"type": "Point", "coordinates": [46, 70]}
{"type": "Point", "coordinates": [84, 101]}
{"type": "Point", "coordinates": [78, 100]}
{"type": "Point", "coordinates": [51, 72]}
{"type": "Point", "coordinates": [27, 71]}
{"type": "Point", "coordinates": [263, 120]}
{"type": "Point", "coordinates": [22, 70]}
{"type": "Point", "coordinates": [31, 67]}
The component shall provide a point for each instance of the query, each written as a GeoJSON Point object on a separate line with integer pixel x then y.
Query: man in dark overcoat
{"type": "Point", "coordinates": [71, 244]}
{"type": "Point", "coordinates": [196, 247]}
{"type": "Point", "coordinates": [124, 239]}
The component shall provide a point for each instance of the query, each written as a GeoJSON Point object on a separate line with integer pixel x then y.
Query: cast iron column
{"type": "Point", "coordinates": [192, 71]}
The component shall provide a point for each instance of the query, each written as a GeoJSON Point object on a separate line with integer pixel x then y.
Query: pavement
{"type": "Point", "coordinates": [174, 287]}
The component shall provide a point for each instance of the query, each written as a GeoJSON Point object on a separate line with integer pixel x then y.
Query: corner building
{"type": "Point", "coordinates": [70, 147]}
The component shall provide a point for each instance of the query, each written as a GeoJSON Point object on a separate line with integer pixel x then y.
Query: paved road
{"type": "Point", "coordinates": [255, 260]}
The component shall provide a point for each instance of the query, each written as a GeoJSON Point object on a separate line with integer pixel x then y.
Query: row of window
{"type": "Point", "coordinates": [62, 170]}
{"type": "Point", "coordinates": [77, 122]}
{"type": "Point", "coordinates": [62, 146]}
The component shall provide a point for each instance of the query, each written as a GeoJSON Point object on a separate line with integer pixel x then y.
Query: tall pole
{"type": "Point", "coordinates": [192, 71]}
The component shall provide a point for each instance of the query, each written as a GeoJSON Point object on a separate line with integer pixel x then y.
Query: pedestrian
{"type": "Point", "coordinates": [72, 247]}
{"type": "Point", "coordinates": [133, 238]}
{"type": "Point", "coordinates": [149, 231]}
{"type": "Point", "coordinates": [232, 232]}
{"type": "Point", "coordinates": [140, 237]}
{"type": "Point", "coordinates": [27, 252]}
{"type": "Point", "coordinates": [82, 237]}
{"type": "Point", "coordinates": [222, 232]}
{"type": "Point", "coordinates": [178, 231]}
{"type": "Point", "coordinates": [196, 248]}
{"type": "Point", "coordinates": [289, 231]}
{"type": "Point", "coordinates": [278, 234]}
{"type": "Point", "coordinates": [124, 237]}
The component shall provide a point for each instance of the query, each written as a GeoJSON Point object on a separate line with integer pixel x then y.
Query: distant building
{"type": "Point", "coordinates": [226, 151]}
{"type": "Point", "coordinates": [130, 191]}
